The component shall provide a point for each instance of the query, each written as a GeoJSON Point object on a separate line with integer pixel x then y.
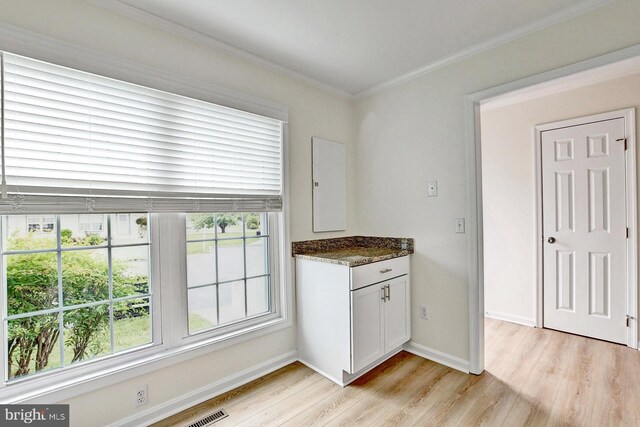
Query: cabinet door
{"type": "Point", "coordinates": [367, 326]}
{"type": "Point", "coordinates": [397, 327]}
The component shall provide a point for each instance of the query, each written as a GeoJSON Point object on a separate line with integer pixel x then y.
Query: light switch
{"type": "Point", "coordinates": [459, 225]}
{"type": "Point", "coordinates": [432, 188]}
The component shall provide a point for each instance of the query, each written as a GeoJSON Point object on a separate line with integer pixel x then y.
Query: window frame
{"type": "Point", "coordinates": [59, 386]}
{"type": "Point", "coordinates": [248, 323]}
{"type": "Point", "coordinates": [171, 342]}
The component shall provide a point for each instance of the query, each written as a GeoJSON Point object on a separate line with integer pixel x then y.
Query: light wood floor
{"type": "Point", "coordinates": [534, 377]}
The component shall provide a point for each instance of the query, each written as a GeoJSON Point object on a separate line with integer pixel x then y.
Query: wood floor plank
{"type": "Point", "coordinates": [534, 377]}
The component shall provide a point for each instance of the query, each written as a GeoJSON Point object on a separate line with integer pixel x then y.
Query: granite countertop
{"type": "Point", "coordinates": [353, 251]}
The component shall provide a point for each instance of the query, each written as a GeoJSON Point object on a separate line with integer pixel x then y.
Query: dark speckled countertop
{"type": "Point", "coordinates": [353, 251]}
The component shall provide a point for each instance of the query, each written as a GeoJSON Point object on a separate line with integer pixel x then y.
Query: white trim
{"type": "Point", "coordinates": [586, 78]}
{"type": "Point", "coordinates": [475, 254]}
{"type": "Point", "coordinates": [212, 43]}
{"type": "Point", "coordinates": [631, 215]}
{"type": "Point", "coordinates": [437, 356]}
{"type": "Point", "coordinates": [474, 184]}
{"type": "Point", "coordinates": [563, 15]}
{"type": "Point", "coordinates": [511, 318]}
{"type": "Point", "coordinates": [38, 46]}
{"type": "Point", "coordinates": [186, 401]}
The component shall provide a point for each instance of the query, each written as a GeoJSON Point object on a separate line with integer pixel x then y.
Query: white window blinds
{"type": "Point", "coordinates": [82, 142]}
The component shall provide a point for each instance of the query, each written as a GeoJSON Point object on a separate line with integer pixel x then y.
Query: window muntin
{"type": "Point", "coordinates": [72, 296]}
{"type": "Point", "coordinates": [228, 269]}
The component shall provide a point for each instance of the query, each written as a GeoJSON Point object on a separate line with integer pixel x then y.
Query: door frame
{"type": "Point", "coordinates": [473, 148]}
{"type": "Point", "coordinates": [628, 114]}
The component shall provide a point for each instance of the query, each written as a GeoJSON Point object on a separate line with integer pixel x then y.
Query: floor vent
{"type": "Point", "coordinates": [210, 419]}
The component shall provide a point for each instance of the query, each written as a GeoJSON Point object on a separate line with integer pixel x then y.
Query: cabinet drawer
{"type": "Point", "coordinates": [365, 275]}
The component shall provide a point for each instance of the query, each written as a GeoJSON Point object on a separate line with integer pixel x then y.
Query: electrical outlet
{"type": "Point", "coordinates": [460, 225]}
{"type": "Point", "coordinates": [424, 312]}
{"type": "Point", "coordinates": [140, 396]}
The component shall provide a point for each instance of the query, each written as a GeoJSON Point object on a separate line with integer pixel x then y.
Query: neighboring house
{"type": "Point", "coordinates": [123, 225]}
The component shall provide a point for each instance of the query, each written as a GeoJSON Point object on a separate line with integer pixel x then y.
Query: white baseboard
{"type": "Point", "coordinates": [511, 318]}
{"type": "Point", "coordinates": [185, 401]}
{"type": "Point", "coordinates": [437, 356]}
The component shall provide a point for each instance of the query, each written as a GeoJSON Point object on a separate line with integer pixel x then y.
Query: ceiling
{"type": "Point", "coordinates": [353, 45]}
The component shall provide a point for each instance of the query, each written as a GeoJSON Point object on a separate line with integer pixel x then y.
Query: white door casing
{"type": "Point", "coordinates": [584, 229]}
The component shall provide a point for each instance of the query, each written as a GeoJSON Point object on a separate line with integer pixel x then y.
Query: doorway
{"type": "Point", "coordinates": [521, 234]}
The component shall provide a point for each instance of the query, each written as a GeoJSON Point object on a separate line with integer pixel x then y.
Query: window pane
{"type": "Point", "coordinates": [202, 308]}
{"type": "Point", "coordinates": [201, 263]}
{"type": "Point", "coordinates": [32, 282]}
{"type": "Point", "coordinates": [129, 229]}
{"type": "Point", "coordinates": [23, 338]}
{"type": "Point", "coordinates": [130, 269]}
{"type": "Point", "coordinates": [255, 224]}
{"type": "Point", "coordinates": [83, 230]}
{"type": "Point", "coordinates": [23, 234]}
{"type": "Point", "coordinates": [257, 257]}
{"type": "Point", "coordinates": [131, 324]}
{"type": "Point", "coordinates": [86, 333]}
{"type": "Point", "coordinates": [85, 276]}
{"type": "Point", "coordinates": [201, 226]}
{"type": "Point", "coordinates": [231, 297]}
{"type": "Point", "coordinates": [257, 296]}
{"type": "Point", "coordinates": [229, 225]}
{"type": "Point", "coordinates": [230, 260]}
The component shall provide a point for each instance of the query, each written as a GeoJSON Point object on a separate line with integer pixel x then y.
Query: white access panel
{"type": "Point", "coordinates": [329, 185]}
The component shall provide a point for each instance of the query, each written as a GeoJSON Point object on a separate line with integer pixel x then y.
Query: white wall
{"type": "Point", "coordinates": [312, 112]}
{"type": "Point", "coordinates": [415, 132]}
{"type": "Point", "coordinates": [508, 180]}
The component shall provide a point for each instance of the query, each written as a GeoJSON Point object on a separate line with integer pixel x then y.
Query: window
{"type": "Point", "coordinates": [72, 297]}
{"type": "Point", "coordinates": [99, 178]}
{"type": "Point", "coordinates": [91, 224]}
{"type": "Point", "coordinates": [228, 269]}
{"type": "Point", "coordinates": [40, 224]}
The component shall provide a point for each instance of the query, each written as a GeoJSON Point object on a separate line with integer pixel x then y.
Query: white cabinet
{"type": "Point", "coordinates": [351, 318]}
{"type": "Point", "coordinates": [367, 320]}
{"type": "Point", "coordinates": [379, 321]}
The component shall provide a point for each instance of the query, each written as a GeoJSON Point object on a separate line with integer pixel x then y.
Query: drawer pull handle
{"type": "Point", "coordinates": [386, 270]}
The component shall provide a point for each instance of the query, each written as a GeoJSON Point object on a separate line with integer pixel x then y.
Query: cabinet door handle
{"type": "Point", "coordinates": [386, 270]}
{"type": "Point", "coordinates": [387, 292]}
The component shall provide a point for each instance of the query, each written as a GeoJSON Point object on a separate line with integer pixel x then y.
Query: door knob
{"type": "Point", "coordinates": [551, 240]}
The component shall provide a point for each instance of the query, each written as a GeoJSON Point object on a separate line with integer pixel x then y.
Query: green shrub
{"type": "Point", "coordinates": [32, 285]}
{"type": "Point", "coordinates": [253, 221]}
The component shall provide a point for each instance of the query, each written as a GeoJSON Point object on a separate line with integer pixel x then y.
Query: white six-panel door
{"type": "Point", "coordinates": [584, 228]}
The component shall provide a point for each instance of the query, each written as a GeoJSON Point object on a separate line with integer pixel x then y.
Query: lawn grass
{"type": "Point", "coordinates": [205, 247]}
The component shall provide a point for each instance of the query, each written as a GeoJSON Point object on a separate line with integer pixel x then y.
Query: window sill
{"type": "Point", "coordinates": [60, 386]}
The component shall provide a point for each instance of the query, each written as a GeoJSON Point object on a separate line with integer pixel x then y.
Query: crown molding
{"type": "Point", "coordinates": [616, 70]}
{"type": "Point", "coordinates": [563, 15]}
{"type": "Point", "coordinates": [132, 12]}
{"type": "Point", "coordinates": [148, 18]}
